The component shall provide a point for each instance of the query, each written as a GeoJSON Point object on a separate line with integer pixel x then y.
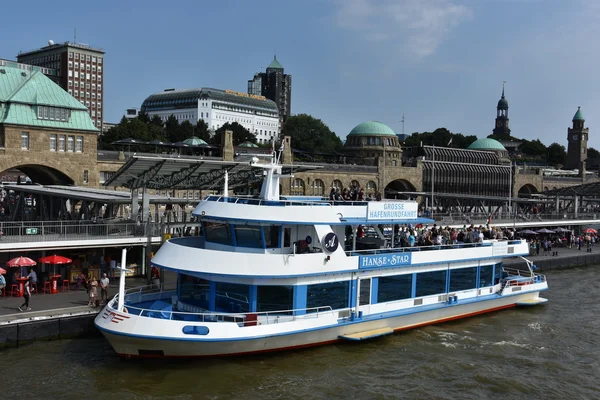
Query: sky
{"type": "Point", "coordinates": [440, 63]}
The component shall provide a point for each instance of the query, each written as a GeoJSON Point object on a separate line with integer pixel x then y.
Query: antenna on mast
{"type": "Point", "coordinates": [74, 35]}
{"type": "Point", "coordinates": [402, 124]}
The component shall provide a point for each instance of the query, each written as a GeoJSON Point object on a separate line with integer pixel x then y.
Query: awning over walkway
{"type": "Point", "coordinates": [587, 189]}
{"type": "Point", "coordinates": [188, 173]}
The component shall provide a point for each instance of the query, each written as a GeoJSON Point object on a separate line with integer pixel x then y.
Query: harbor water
{"type": "Point", "coordinates": [545, 352]}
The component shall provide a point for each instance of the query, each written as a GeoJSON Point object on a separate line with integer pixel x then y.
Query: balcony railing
{"type": "Point", "coordinates": [18, 232]}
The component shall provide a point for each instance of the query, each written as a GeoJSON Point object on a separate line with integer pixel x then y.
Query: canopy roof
{"type": "Point", "coordinates": [188, 173]}
{"type": "Point", "coordinates": [588, 189]}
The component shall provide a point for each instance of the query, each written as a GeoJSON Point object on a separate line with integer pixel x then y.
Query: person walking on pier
{"type": "Point", "coordinates": [26, 296]}
{"type": "Point", "coordinates": [104, 288]}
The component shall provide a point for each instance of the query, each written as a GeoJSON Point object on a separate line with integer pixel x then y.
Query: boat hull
{"type": "Point", "coordinates": [144, 344]}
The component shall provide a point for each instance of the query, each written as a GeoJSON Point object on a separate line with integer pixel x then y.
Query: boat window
{"type": "Point", "coordinates": [334, 294]}
{"type": "Point", "coordinates": [486, 275]}
{"type": "Point", "coordinates": [217, 232]}
{"type": "Point", "coordinates": [271, 236]}
{"type": "Point", "coordinates": [248, 236]}
{"type": "Point", "coordinates": [287, 237]}
{"type": "Point", "coordinates": [429, 283]}
{"type": "Point", "coordinates": [498, 272]}
{"type": "Point", "coordinates": [396, 287]}
{"type": "Point", "coordinates": [195, 330]}
{"type": "Point", "coordinates": [232, 297]}
{"type": "Point", "coordinates": [365, 292]}
{"type": "Point", "coordinates": [275, 298]}
{"type": "Point", "coordinates": [463, 279]}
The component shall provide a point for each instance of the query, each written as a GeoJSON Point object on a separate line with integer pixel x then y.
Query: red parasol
{"type": "Point", "coordinates": [2, 271]}
{"type": "Point", "coordinates": [21, 262]}
{"type": "Point", "coordinates": [590, 230]}
{"type": "Point", "coordinates": [55, 259]}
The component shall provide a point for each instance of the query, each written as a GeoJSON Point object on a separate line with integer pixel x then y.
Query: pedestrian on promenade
{"type": "Point", "coordinates": [104, 288]}
{"type": "Point", "coordinates": [33, 278]}
{"type": "Point", "coordinates": [93, 293]}
{"type": "Point", "coordinates": [26, 296]}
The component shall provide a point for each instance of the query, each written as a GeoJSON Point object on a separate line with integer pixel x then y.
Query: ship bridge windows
{"type": "Point", "coordinates": [218, 232]}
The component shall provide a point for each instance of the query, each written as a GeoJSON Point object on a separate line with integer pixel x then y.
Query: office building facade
{"type": "Point", "coordinates": [276, 85]}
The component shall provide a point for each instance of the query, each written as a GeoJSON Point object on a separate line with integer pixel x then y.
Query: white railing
{"type": "Point", "coordinates": [158, 292]}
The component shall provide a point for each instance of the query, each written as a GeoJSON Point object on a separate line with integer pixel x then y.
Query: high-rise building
{"type": "Point", "coordinates": [275, 85]}
{"type": "Point", "coordinates": [577, 138]}
{"type": "Point", "coordinates": [79, 70]}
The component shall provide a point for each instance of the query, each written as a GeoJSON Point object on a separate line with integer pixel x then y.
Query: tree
{"type": "Point", "coordinates": [240, 134]}
{"type": "Point", "coordinates": [186, 130]}
{"type": "Point", "coordinates": [593, 153]}
{"type": "Point", "coordinates": [533, 148]}
{"type": "Point", "coordinates": [172, 129]}
{"type": "Point", "coordinates": [557, 154]}
{"type": "Point", "coordinates": [201, 130]}
{"type": "Point", "coordinates": [144, 117]}
{"type": "Point", "coordinates": [310, 134]}
{"type": "Point", "coordinates": [440, 137]}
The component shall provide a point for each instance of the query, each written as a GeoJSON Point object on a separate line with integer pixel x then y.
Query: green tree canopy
{"type": "Point", "coordinates": [440, 137]}
{"type": "Point", "coordinates": [172, 129]}
{"type": "Point", "coordinates": [201, 130]}
{"type": "Point", "coordinates": [556, 154]}
{"type": "Point", "coordinates": [240, 134]}
{"type": "Point", "coordinates": [310, 134]}
{"type": "Point", "coordinates": [533, 148]}
{"type": "Point", "coordinates": [593, 153]}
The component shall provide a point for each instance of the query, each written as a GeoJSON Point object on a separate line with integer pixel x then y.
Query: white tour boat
{"type": "Point", "coordinates": [273, 273]}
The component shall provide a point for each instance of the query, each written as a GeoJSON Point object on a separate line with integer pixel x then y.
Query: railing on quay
{"type": "Point", "coordinates": [508, 218]}
{"type": "Point", "coordinates": [157, 292]}
{"type": "Point", "coordinates": [40, 231]}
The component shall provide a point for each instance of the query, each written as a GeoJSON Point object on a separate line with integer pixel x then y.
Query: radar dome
{"type": "Point", "coordinates": [50, 42]}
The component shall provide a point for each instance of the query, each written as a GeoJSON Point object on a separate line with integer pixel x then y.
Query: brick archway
{"type": "Point", "coordinates": [42, 174]}
{"type": "Point", "coordinates": [395, 188]}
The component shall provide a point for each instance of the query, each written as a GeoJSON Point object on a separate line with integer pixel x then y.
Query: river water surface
{"type": "Point", "coordinates": [545, 352]}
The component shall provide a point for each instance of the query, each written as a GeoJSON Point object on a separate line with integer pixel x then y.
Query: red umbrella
{"type": "Point", "coordinates": [590, 230]}
{"type": "Point", "coordinates": [55, 259]}
{"type": "Point", "coordinates": [2, 271]}
{"type": "Point", "coordinates": [21, 262]}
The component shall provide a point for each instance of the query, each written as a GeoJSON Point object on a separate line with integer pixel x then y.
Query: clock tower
{"type": "Point", "coordinates": [502, 128]}
{"type": "Point", "coordinates": [578, 139]}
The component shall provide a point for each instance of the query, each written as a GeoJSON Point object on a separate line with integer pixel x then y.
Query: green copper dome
{"type": "Point", "coordinates": [486, 144]}
{"type": "Point", "coordinates": [372, 128]}
{"type": "Point", "coordinates": [578, 115]}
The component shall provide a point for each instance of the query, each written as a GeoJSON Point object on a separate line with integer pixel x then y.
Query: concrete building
{"type": "Point", "coordinates": [79, 70]}
{"type": "Point", "coordinates": [44, 132]}
{"type": "Point", "coordinates": [216, 107]}
{"type": "Point", "coordinates": [275, 85]}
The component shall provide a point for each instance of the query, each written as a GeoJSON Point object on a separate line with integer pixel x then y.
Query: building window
{"type": "Point", "coordinates": [77, 56]}
{"type": "Point", "coordinates": [52, 142]}
{"type": "Point", "coordinates": [79, 144]}
{"type": "Point", "coordinates": [25, 140]}
{"type": "Point", "coordinates": [86, 176]}
{"type": "Point", "coordinates": [99, 60]}
{"type": "Point", "coordinates": [61, 143]}
{"type": "Point", "coordinates": [71, 143]}
{"type": "Point", "coordinates": [71, 55]}
{"type": "Point", "coordinates": [70, 92]}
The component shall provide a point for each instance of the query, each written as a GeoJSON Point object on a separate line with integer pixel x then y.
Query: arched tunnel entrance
{"type": "Point", "coordinates": [527, 190]}
{"type": "Point", "coordinates": [39, 174]}
{"type": "Point", "coordinates": [400, 189]}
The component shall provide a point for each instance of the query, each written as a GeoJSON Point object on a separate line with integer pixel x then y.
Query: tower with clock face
{"type": "Point", "coordinates": [577, 138]}
{"type": "Point", "coordinates": [501, 128]}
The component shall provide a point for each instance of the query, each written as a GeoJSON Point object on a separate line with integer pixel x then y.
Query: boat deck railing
{"type": "Point", "coordinates": [411, 249]}
{"type": "Point", "coordinates": [316, 201]}
{"type": "Point", "coordinates": [192, 313]}
{"type": "Point", "coordinates": [518, 277]}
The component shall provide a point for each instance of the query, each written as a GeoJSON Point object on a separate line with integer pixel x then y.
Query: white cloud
{"type": "Point", "coordinates": [420, 25]}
